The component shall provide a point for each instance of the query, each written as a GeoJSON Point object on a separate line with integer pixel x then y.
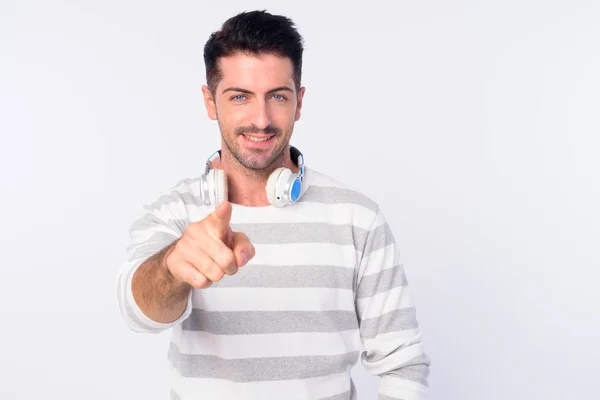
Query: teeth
{"type": "Point", "coordinates": [255, 139]}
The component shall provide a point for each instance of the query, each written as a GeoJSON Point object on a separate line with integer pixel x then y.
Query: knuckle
{"type": "Point", "coordinates": [201, 282]}
{"type": "Point", "coordinates": [212, 271]}
{"type": "Point", "coordinates": [175, 273]}
{"type": "Point", "coordinates": [228, 258]}
{"type": "Point", "coordinates": [182, 246]}
{"type": "Point", "coordinates": [217, 275]}
{"type": "Point", "coordinates": [221, 259]}
{"type": "Point", "coordinates": [194, 230]}
{"type": "Point", "coordinates": [233, 270]}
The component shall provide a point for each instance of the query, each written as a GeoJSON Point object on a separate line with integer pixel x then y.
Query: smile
{"type": "Point", "coordinates": [258, 139]}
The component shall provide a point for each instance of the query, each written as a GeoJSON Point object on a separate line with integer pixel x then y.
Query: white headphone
{"type": "Point", "coordinates": [284, 187]}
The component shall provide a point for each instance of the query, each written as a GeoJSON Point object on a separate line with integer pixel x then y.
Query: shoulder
{"type": "Point", "coordinates": [175, 201]}
{"type": "Point", "coordinates": [184, 191]}
{"type": "Point", "coordinates": [326, 189]}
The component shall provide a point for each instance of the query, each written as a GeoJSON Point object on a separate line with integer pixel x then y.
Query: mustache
{"type": "Point", "coordinates": [253, 129]}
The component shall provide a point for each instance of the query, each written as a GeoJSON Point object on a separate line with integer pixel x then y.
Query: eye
{"type": "Point", "coordinates": [238, 97]}
{"type": "Point", "coordinates": [279, 97]}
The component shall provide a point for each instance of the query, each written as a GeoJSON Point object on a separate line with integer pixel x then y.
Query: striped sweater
{"type": "Point", "coordinates": [325, 290]}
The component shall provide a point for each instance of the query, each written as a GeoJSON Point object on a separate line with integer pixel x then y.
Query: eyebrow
{"type": "Point", "coordinates": [241, 90]}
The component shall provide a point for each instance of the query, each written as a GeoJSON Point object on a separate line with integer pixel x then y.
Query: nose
{"type": "Point", "coordinates": [260, 115]}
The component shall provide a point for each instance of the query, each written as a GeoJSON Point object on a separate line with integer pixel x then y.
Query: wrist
{"type": "Point", "coordinates": [176, 284]}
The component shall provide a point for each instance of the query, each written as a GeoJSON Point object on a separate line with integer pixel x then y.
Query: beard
{"type": "Point", "coordinates": [257, 160]}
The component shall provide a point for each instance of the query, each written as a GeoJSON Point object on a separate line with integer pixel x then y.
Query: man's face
{"type": "Point", "coordinates": [256, 105]}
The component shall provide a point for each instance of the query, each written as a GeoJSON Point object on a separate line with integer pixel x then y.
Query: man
{"type": "Point", "coordinates": [270, 274]}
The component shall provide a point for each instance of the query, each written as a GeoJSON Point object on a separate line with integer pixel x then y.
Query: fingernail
{"type": "Point", "coordinates": [244, 257]}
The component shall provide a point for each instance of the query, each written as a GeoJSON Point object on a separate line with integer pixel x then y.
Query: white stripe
{"type": "Point", "coordinates": [274, 299]}
{"type": "Point", "coordinates": [311, 388]}
{"type": "Point", "coordinates": [335, 214]}
{"type": "Point", "coordinates": [305, 254]}
{"type": "Point", "coordinates": [380, 259]}
{"type": "Point", "coordinates": [386, 343]}
{"type": "Point", "coordinates": [394, 359]}
{"type": "Point", "coordinates": [141, 235]}
{"type": "Point", "coordinates": [268, 345]}
{"type": "Point", "coordinates": [384, 302]}
{"type": "Point", "coordinates": [316, 178]}
{"type": "Point", "coordinates": [379, 220]}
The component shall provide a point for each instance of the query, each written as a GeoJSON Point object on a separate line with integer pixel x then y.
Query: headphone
{"type": "Point", "coordinates": [284, 187]}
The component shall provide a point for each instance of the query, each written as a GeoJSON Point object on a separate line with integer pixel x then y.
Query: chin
{"type": "Point", "coordinates": [258, 160]}
{"type": "Point", "coordinates": [256, 163]}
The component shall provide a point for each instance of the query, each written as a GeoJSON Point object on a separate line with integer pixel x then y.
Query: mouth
{"type": "Point", "coordinates": [257, 138]}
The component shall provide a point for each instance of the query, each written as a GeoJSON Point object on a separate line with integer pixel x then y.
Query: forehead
{"type": "Point", "coordinates": [255, 72]}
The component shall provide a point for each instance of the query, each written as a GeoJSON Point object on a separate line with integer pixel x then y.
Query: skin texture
{"type": "Point", "coordinates": [256, 96]}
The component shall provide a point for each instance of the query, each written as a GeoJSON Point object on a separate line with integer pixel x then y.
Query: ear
{"type": "Point", "coordinates": [209, 102]}
{"type": "Point", "coordinates": [300, 97]}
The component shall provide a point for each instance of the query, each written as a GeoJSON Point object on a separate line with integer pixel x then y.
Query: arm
{"type": "Point", "coordinates": [155, 290]}
{"type": "Point", "coordinates": [168, 257]}
{"type": "Point", "coordinates": [149, 299]}
{"type": "Point", "coordinates": [388, 326]}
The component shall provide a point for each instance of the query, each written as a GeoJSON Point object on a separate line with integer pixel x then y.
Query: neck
{"type": "Point", "coordinates": [246, 186]}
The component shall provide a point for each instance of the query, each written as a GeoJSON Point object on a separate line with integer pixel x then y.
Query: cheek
{"type": "Point", "coordinates": [230, 117]}
{"type": "Point", "coordinates": [283, 115]}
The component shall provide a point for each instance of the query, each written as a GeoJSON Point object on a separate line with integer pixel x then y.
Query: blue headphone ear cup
{"type": "Point", "coordinates": [295, 189]}
{"type": "Point", "coordinates": [217, 186]}
{"type": "Point", "coordinates": [283, 187]}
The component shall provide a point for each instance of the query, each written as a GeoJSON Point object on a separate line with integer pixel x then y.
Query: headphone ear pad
{"type": "Point", "coordinates": [217, 186]}
{"type": "Point", "coordinates": [272, 187]}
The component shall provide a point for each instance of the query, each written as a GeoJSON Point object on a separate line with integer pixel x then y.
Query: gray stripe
{"type": "Point", "coordinates": [259, 369]}
{"type": "Point", "coordinates": [383, 281]}
{"type": "Point", "coordinates": [415, 373]}
{"type": "Point", "coordinates": [256, 322]}
{"type": "Point", "coordinates": [291, 233]}
{"type": "Point", "coordinates": [397, 320]}
{"type": "Point", "coordinates": [177, 196]}
{"type": "Point", "coordinates": [297, 276]}
{"type": "Point", "coordinates": [304, 232]}
{"type": "Point", "coordinates": [333, 195]}
{"type": "Point", "coordinates": [185, 198]}
{"type": "Point", "coordinates": [416, 369]}
{"type": "Point", "coordinates": [174, 395]}
{"type": "Point", "coordinates": [347, 395]}
{"type": "Point", "coordinates": [149, 221]}
{"type": "Point", "coordinates": [378, 238]}
{"type": "Point", "coordinates": [151, 246]}
{"type": "Point", "coordinates": [384, 397]}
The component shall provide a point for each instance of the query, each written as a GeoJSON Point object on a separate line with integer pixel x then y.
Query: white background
{"type": "Point", "coordinates": [473, 124]}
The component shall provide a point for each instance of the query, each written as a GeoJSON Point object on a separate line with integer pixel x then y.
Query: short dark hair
{"type": "Point", "coordinates": [254, 33]}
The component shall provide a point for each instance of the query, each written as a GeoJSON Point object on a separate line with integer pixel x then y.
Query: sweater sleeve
{"type": "Point", "coordinates": [154, 227]}
{"type": "Point", "coordinates": [387, 318]}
